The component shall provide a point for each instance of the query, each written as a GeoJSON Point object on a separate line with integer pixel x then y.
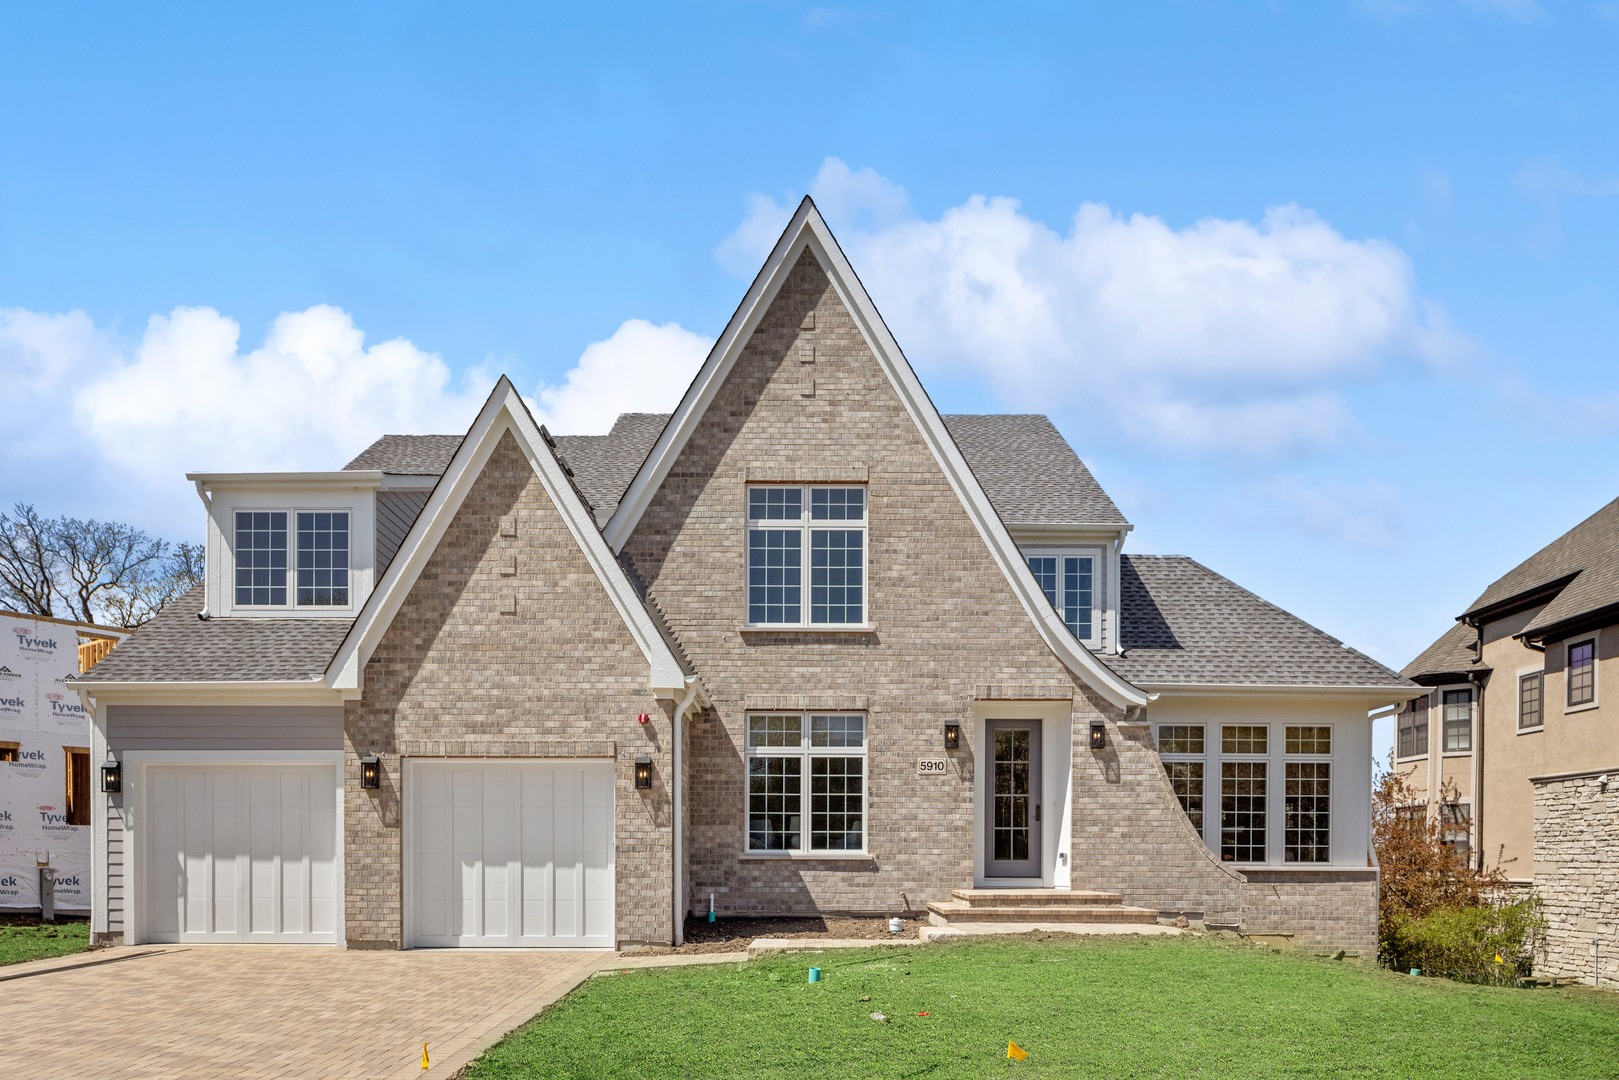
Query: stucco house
{"type": "Point", "coordinates": [1518, 723]}
{"type": "Point", "coordinates": [805, 645]}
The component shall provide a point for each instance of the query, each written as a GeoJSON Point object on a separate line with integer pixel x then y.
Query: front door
{"type": "Point", "coordinates": [1012, 824]}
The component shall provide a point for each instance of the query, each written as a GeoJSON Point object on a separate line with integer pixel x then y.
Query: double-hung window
{"type": "Point", "coordinates": [1582, 672]}
{"type": "Point", "coordinates": [1244, 779]}
{"type": "Point", "coordinates": [320, 566]}
{"type": "Point", "coordinates": [1181, 746]}
{"type": "Point", "coordinates": [1413, 728]}
{"type": "Point", "coordinates": [1068, 579]}
{"type": "Point", "coordinates": [806, 782]}
{"type": "Point", "coordinates": [1307, 799]}
{"type": "Point", "coordinates": [1458, 718]}
{"type": "Point", "coordinates": [1529, 703]}
{"type": "Point", "coordinates": [824, 526]}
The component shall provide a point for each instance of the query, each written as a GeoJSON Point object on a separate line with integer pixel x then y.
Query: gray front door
{"type": "Point", "coordinates": [1012, 819]}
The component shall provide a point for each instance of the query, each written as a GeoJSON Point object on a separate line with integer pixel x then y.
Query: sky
{"type": "Point", "coordinates": [1327, 295]}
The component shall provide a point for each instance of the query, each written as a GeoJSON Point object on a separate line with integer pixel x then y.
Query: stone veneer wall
{"type": "Point", "coordinates": [808, 403]}
{"type": "Point", "coordinates": [1577, 873]}
{"type": "Point", "coordinates": [456, 674]}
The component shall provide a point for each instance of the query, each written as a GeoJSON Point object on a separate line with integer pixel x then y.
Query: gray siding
{"type": "Point", "coordinates": [224, 727]}
{"type": "Point", "coordinates": [396, 513]}
{"type": "Point", "coordinates": [116, 876]}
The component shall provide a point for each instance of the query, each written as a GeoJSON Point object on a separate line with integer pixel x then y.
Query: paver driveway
{"type": "Point", "coordinates": [283, 1011]}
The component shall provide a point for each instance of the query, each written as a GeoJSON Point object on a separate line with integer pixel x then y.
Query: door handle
{"type": "Point", "coordinates": [1037, 811]}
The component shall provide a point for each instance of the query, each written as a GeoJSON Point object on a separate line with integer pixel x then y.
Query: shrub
{"type": "Point", "coordinates": [1465, 942]}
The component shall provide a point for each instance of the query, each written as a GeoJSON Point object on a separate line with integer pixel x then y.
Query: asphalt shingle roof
{"type": "Point", "coordinates": [1450, 655]}
{"type": "Point", "coordinates": [1588, 554]}
{"type": "Point", "coordinates": [1031, 474]}
{"type": "Point", "coordinates": [1183, 623]}
{"type": "Point", "coordinates": [179, 647]}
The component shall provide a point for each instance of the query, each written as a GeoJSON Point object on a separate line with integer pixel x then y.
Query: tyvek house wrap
{"type": "Point", "coordinates": [42, 714]}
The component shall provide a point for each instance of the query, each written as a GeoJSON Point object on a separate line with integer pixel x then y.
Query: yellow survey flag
{"type": "Point", "coordinates": [1498, 959]}
{"type": "Point", "coordinates": [1015, 1052]}
{"type": "Point", "coordinates": [424, 1056]}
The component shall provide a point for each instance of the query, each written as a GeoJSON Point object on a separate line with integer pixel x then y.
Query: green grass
{"type": "Point", "coordinates": [19, 943]}
{"type": "Point", "coordinates": [1102, 1007]}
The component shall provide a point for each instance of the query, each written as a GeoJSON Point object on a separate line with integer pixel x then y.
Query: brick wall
{"type": "Point", "coordinates": [1577, 874]}
{"type": "Point", "coordinates": [454, 675]}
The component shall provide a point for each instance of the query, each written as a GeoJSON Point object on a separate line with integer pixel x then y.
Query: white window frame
{"type": "Point", "coordinates": [1301, 758]}
{"type": "Point", "coordinates": [1472, 716]}
{"type": "Point", "coordinates": [1523, 674]}
{"type": "Point", "coordinates": [806, 526]}
{"type": "Point", "coordinates": [1095, 555]}
{"type": "Point", "coordinates": [1170, 758]}
{"type": "Point", "coordinates": [1568, 675]}
{"type": "Point", "coordinates": [1272, 806]}
{"type": "Point", "coordinates": [292, 513]}
{"type": "Point", "coordinates": [805, 753]}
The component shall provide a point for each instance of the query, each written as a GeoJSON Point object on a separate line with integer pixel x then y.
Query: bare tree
{"type": "Point", "coordinates": [92, 571]}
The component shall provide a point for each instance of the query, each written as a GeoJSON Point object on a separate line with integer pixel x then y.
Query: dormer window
{"type": "Point", "coordinates": [321, 567]}
{"type": "Point", "coordinates": [1069, 580]}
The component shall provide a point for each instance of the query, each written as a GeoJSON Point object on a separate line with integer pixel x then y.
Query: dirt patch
{"type": "Point", "coordinates": [22, 918]}
{"type": "Point", "coordinates": [735, 935]}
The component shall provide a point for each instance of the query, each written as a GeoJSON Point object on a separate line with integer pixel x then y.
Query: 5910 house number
{"type": "Point", "coordinates": [932, 766]}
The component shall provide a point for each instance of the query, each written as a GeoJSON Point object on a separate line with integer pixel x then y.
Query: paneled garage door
{"type": "Point", "coordinates": [511, 853]}
{"type": "Point", "coordinates": [240, 853]}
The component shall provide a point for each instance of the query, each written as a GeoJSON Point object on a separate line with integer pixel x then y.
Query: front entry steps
{"type": "Point", "coordinates": [1019, 910]}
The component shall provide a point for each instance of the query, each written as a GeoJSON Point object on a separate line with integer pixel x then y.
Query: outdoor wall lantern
{"type": "Point", "coordinates": [1098, 735]}
{"type": "Point", "coordinates": [371, 772]}
{"type": "Point", "coordinates": [643, 773]}
{"type": "Point", "coordinates": [112, 777]}
{"type": "Point", "coordinates": [952, 736]}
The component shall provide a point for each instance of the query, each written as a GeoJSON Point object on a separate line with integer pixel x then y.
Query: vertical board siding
{"type": "Point", "coordinates": [396, 513]}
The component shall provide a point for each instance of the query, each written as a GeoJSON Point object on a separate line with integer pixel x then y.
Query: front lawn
{"type": "Point", "coordinates": [1103, 1007]}
{"type": "Point", "coordinates": [21, 940]}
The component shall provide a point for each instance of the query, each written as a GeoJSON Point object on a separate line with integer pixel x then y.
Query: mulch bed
{"type": "Point", "coordinates": [735, 934]}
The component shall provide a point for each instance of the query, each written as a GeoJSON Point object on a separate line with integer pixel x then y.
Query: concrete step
{"type": "Point", "coordinates": [954, 911]}
{"type": "Point", "coordinates": [1033, 897]}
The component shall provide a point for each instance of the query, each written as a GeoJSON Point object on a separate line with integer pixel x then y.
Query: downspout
{"type": "Point", "coordinates": [677, 786]}
{"type": "Point", "coordinates": [1478, 750]}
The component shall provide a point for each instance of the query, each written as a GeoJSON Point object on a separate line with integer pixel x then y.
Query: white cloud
{"type": "Point", "coordinates": [1224, 336]}
{"type": "Point", "coordinates": [640, 368]}
{"type": "Point", "coordinates": [1365, 515]}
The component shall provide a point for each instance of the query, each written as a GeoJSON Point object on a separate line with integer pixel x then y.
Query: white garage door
{"type": "Point", "coordinates": [240, 853]}
{"type": "Point", "coordinates": [511, 853]}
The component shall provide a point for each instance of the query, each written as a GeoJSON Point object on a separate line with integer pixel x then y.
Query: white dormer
{"type": "Point", "coordinates": [1078, 568]}
{"type": "Point", "coordinates": [289, 544]}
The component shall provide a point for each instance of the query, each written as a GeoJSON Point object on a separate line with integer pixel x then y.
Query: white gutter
{"type": "Point", "coordinates": [677, 788]}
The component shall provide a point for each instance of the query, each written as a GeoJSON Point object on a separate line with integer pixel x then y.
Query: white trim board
{"type": "Point", "coordinates": [504, 412]}
{"type": "Point", "coordinates": [808, 231]}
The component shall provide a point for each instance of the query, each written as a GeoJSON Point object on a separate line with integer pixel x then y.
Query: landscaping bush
{"type": "Point", "coordinates": [1488, 943]}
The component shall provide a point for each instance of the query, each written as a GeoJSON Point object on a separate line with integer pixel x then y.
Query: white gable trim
{"type": "Point", "coordinates": [503, 412]}
{"type": "Point", "coordinates": [807, 230]}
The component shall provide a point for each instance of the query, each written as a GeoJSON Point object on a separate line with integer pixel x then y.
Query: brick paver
{"type": "Point", "coordinates": [277, 1011]}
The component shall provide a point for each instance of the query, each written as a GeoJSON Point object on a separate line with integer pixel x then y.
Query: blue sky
{"type": "Point", "coordinates": [1338, 318]}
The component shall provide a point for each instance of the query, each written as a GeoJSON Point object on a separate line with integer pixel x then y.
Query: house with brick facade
{"type": "Point", "coordinates": [1513, 744]}
{"type": "Point", "coordinates": [804, 645]}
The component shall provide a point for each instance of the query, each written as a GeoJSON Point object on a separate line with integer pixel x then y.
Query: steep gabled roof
{"type": "Point", "coordinates": [1183, 624]}
{"type": "Point", "coordinates": [1579, 571]}
{"type": "Point", "coordinates": [179, 647]}
{"type": "Point", "coordinates": [504, 413]}
{"type": "Point", "coordinates": [1452, 654]}
{"type": "Point", "coordinates": [808, 232]}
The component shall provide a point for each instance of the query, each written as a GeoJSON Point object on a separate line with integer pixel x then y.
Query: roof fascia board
{"type": "Point", "coordinates": [808, 230]}
{"type": "Point", "coordinates": [1380, 693]}
{"type": "Point", "coordinates": [1517, 602]}
{"type": "Point", "coordinates": [1594, 619]}
{"type": "Point", "coordinates": [345, 478]}
{"type": "Point", "coordinates": [503, 412]}
{"type": "Point", "coordinates": [280, 692]}
{"type": "Point", "coordinates": [409, 481]}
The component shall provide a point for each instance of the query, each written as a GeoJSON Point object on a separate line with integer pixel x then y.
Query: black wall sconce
{"type": "Point", "coordinates": [371, 772]}
{"type": "Point", "coordinates": [643, 773]}
{"type": "Point", "coordinates": [1098, 735]}
{"type": "Point", "coordinates": [952, 736]}
{"type": "Point", "coordinates": [112, 777]}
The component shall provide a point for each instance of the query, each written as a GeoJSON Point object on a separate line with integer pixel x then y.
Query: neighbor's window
{"type": "Point", "coordinates": [78, 785]}
{"type": "Point", "coordinates": [261, 558]}
{"type": "Point", "coordinates": [1413, 727]}
{"type": "Point", "coordinates": [806, 782]}
{"type": "Point", "coordinates": [9, 751]}
{"type": "Point", "coordinates": [1069, 582]}
{"type": "Point", "coordinates": [1456, 825]}
{"type": "Point", "coordinates": [1582, 672]}
{"type": "Point", "coordinates": [1529, 713]}
{"type": "Point", "coordinates": [1458, 720]}
{"type": "Point", "coordinates": [827, 522]}
{"type": "Point", "coordinates": [1243, 785]}
{"type": "Point", "coordinates": [1182, 748]}
{"type": "Point", "coordinates": [323, 558]}
{"type": "Point", "coordinates": [1307, 801]}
